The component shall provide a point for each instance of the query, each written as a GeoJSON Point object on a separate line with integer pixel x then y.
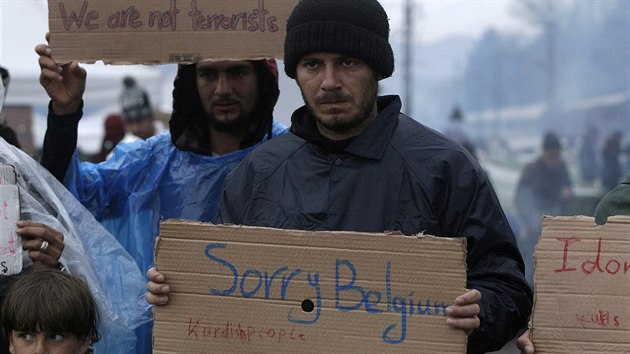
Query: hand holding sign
{"type": "Point", "coordinates": [158, 290]}
{"type": "Point", "coordinates": [34, 235]}
{"type": "Point", "coordinates": [463, 314]}
{"type": "Point", "coordinates": [64, 84]}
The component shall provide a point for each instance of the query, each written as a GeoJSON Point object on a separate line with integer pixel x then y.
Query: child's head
{"type": "Point", "coordinates": [52, 309]}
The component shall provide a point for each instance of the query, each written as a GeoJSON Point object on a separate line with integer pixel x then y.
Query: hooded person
{"type": "Point", "coordinates": [221, 111]}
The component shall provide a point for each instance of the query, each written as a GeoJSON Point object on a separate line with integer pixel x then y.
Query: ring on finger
{"type": "Point", "coordinates": [44, 246]}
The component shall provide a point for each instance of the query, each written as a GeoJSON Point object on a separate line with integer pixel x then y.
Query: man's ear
{"type": "Point", "coordinates": [11, 347]}
{"type": "Point", "coordinates": [84, 346]}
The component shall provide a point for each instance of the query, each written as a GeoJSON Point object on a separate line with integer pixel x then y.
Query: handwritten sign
{"type": "Point", "coordinates": [166, 31]}
{"type": "Point", "coordinates": [10, 243]}
{"type": "Point", "coordinates": [582, 282]}
{"type": "Point", "coordinates": [251, 290]}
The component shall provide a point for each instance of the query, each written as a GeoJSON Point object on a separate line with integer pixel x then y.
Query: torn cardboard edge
{"type": "Point", "coordinates": [230, 279]}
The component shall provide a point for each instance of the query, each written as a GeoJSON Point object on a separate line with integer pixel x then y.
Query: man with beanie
{"type": "Point", "coordinates": [137, 112]}
{"type": "Point", "coordinates": [221, 110]}
{"type": "Point", "coordinates": [353, 162]}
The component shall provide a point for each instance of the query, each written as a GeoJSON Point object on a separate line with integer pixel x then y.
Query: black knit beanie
{"type": "Point", "coordinates": [357, 28]}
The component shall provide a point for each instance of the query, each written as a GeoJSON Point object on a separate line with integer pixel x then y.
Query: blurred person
{"type": "Point", "coordinates": [137, 113]}
{"type": "Point", "coordinates": [544, 188]}
{"type": "Point", "coordinates": [50, 312]}
{"type": "Point", "coordinates": [611, 166]}
{"type": "Point", "coordinates": [587, 156]}
{"type": "Point", "coordinates": [221, 111]}
{"type": "Point", "coordinates": [456, 131]}
{"type": "Point", "coordinates": [348, 148]}
{"type": "Point", "coordinates": [6, 132]}
{"type": "Point", "coordinates": [114, 133]}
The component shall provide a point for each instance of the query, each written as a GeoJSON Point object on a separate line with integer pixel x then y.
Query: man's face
{"type": "Point", "coordinates": [229, 92]}
{"type": "Point", "coordinates": [49, 343]}
{"type": "Point", "coordinates": [142, 128]}
{"type": "Point", "coordinates": [551, 156]}
{"type": "Point", "coordinates": [339, 91]}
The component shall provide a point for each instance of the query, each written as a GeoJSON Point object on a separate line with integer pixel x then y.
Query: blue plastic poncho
{"type": "Point", "coordinates": [147, 181]}
{"type": "Point", "coordinates": [90, 252]}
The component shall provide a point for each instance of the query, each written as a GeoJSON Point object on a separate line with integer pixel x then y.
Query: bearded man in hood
{"type": "Point", "coordinates": [221, 111]}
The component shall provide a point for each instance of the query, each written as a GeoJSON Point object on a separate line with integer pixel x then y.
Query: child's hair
{"type": "Point", "coordinates": [50, 301]}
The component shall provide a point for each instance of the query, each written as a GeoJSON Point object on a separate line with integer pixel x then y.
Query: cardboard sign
{"type": "Point", "coordinates": [582, 282]}
{"type": "Point", "coordinates": [166, 31]}
{"type": "Point", "coordinates": [10, 242]}
{"type": "Point", "coordinates": [260, 290]}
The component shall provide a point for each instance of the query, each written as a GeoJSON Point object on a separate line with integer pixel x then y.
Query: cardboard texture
{"type": "Point", "coordinates": [10, 243]}
{"type": "Point", "coordinates": [582, 302]}
{"type": "Point", "coordinates": [166, 31]}
{"type": "Point", "coordinates": [260, 290]}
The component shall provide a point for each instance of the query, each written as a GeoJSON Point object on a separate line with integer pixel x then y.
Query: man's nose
{"type": "Point", "coordinates": [41, 346]}
{"type": "Point", "coordinates": [224, 86]}
{"type": "Point", "coordinates": [330, 79]}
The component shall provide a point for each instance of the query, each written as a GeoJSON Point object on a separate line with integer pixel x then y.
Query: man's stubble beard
{"type": "Point", "coordinates": [238, 125]}
{"type": "Point", "coordinates": [347, 124]}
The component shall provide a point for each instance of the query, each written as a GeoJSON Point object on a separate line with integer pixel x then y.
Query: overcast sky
{"type": "Point", "coordinates": [435, 20]}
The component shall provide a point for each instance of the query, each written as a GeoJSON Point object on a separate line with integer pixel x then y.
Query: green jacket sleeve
{"type": "Point", "coordinates": [615, 202]}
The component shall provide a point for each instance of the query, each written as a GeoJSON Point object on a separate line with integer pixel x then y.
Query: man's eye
{"type": "Point", "coordinates": [310, 64]}
{"type": "Point", "coordinates": [348, 62]}
{"type": "Point", "coordinates": [57, 337]}
{"type": "Point", "coordinates": [25, 336]}
{"type": "Point", "coordinates": [238, 73]}
{"type": "Point", "coordinates": [207, 74]}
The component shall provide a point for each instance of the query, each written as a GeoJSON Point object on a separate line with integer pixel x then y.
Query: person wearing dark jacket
{"type": "Point", "coordinates": [544, 188]}
{"type": "Point", "coordinates": [353, 162]}
{"type": "Point", "coordinates": [221, 110]}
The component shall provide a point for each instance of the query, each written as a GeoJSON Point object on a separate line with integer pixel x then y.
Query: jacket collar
{"type": "Point", "coordinates": [373, 140]}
